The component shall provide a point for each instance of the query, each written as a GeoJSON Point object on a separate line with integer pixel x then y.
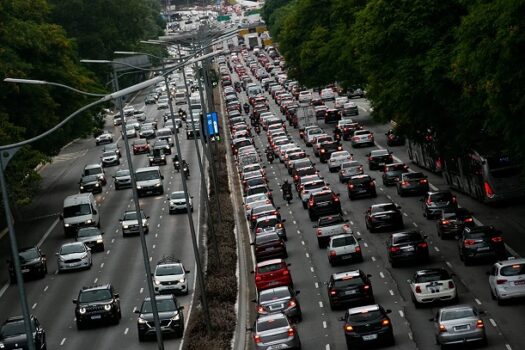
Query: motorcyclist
{"type": "Point", "coordinates": [246, 107]}
{"type": "Point", "coordinates": [269, 154]}
{"type": "Point", "coordinates": [287, 190]}
{"type": "Point", "coordinates": [185, 168]}
{"type": "Point", "coordinates": [176, 162]}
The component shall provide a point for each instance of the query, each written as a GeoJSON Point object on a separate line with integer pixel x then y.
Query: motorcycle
{"type": "Point", "coordinates": [186, 171]}
{"type": "Point", "coordinates": [246, 108]}
{"type": "Point", "coordinates": [176, 165]}
{"type": "Point", "coordinates": [269, 157]}
{"type": "Point", "coordinates": [257, 129]}
{"type": "Point", "coordinates": [287, 196]}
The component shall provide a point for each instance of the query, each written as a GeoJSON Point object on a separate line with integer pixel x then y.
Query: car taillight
{"type": "Point", "coordinates": [442, 328]}
{"type": "Point", "coordinates": [369, 158]}
{"type": "Point", "coordinates": [418, 289]}
{"type": "Point", "coordinates": [336, 199]}
{"type": "Point", "coordinates": [260, 309]}
{"type": "Point", "coordinates": [346, 227]}
{"type": "Point", "coordinates": [318, 232]}
{"type": "Point", "coordinates": [385, 322]}
{"type": "Point", "coordinates": [468, 220]}
{"type": "Point", "coordinates": [423, 245]}
{"type": "Point", "coordinates": [345, 129]}
{"type": "Point", "coordinates": [501, 281]}
{"type": "Point", "coordinates": [445, 222]}
{"type": "Point", "coordinates": [454, 199]}
{"type": "Point", "coordinates": [292, 303]}
{"type": "Point", "coordinates": [257, 339]}
{"type": "Point", "coordinates": [429, 201]}
{"type": "Point", "coordinates": [423, 181]}
{"type": "Point", "coordinates": [258, 278]}
{"type": "Point", "coordinates": [370, 136]}
{"type": "Point", "coordinates": [497, 239]}
{"type": "Point", "coordinates": [394, 249]}
{"type": "Point", "coordinates": [488, 190]}
{"type": "Point", "coordinates": [372, 183]}
{"type": "Point", "coordinates": [333, 292]}
{"type": "Point", "coordinates": [311, 202]}
{"type": "Point", "coordinates": [286, 272]}
{"type": "Point", "coordinates": [355, 138]}
{"type": "Point", "coordinates": [333, 253]}
{"type": "Point", "coordinates": [358, 249]}
{"type": "Point", "coordinates": [479, 324]}
{"type": "Point", "coordinates": [450, 285]}
{"type": "Point", "coordinates": [469, 242]}
{"type": "Point", "coordinates": [254, 217]}
{"type": "Point", "coordinates": [259, 230]}
{"type": "Point", "coordinates": [350, 186]}
{"type": "Point", "coordinates": [405, 183]}
{"type": "Point", "coordinates": [366, 287]}
{"type": "Point", "coordinates": [296, 177]}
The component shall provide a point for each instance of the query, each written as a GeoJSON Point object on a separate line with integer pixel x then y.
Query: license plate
{"type": "Point", "coordinates": [323, 204]}
{"type": "Point", "coordinates": [72, 265]}
{"type": "Point", "coordinates": [408, 249]}
{"type": "Point", "coordinates": [276, 307]}
{"type": "Point", "coordinates": [270, 249]}
{"type": "Point", "coordinates": [278, 346]}
{"type": "Point", "coordinates": [370, 337]}
{"type": "Point", "coordinates": [96, 317]}
{"type": "Point", "coordinates": [350, 292]}
{"type": "Point", "coordinates": [381, 164]}
{"type": "Point", "coordinates": [483, 248]}
{"type": "Point", "coordinates": [25, 270]}
{"type": "Point", "coordinates": [521, 282]}
{"type": "Point", "coordinates": [149, 192]}
{"type": "Point", "coordinates": [344, 257]}
{"type": "Point", "coordinates": [462, 328]}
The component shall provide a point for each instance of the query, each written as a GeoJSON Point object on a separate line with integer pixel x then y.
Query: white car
{"type": "Point", "coordinates": [344, 248]}
{"type": "Point", "coordinates": [74, 256]}
{"type": "Point", "coordinates": [350, 108]}
{"type": "Point", "coordinates": [170, 277]}
{"type": "Point", "coordinates": [305, 97]}
{"type": "Point", "coordinates": [309, 188]}
{"type": "Point", "coordinates": [162, 103]}
{"type": "Point", "coordinates": [177, 202]}
{"type": "Point", "coordinates": [130, 131]}
{"type": "Point", "coordinates": [340, 102]}
{"type": "Point", "coordinates": [507, 280]}
{"type": "Point", "coordinates": [104, 138]}
{"type": "Point", "coordinates": [129, 111]}
{"type": "Point", "coordinates": [338, 158]}
{"type": "Point", "coordinates": [254, 200]}
{"type": "Point", "coordinates": [311, 134]}
{"type": "Point", "coordinates": [362, 138]}
{"type": "Point", "coordinates": [129, 223]}
{"type": "Point", "coordinates": [327, 94]}
{"type": "Point", "coordinates": [432, 285]}
{"type": "Point", "coordinates": [110, 158]}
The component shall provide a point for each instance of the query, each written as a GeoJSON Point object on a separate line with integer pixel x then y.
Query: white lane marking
{"type": "Point", "coordinates": [401, 313]}
{"type": "Point", "coordinates": [405, 214]}
{"type": "Point", "coordinates": [153, 247]}
{"type": "Point", "coordinates": [95, 281]}
{"type": "Point", "coordinates": [4, 288]}
{"type": "Point", "coordinates": [391, 292]}
{"type": "Point", "coordinates": [477, 301]}
{"type": "Point", "coordinates": [290, 212]}
{"type": "Point", "coordinates": [63, 341]}
{"type": "Point", "coordinates": [388, 196]}
{"type": "Point", "coordinates": [493, 322]}
{"type": "Point", "coordinates": [321, 304]}
{"type": "Point", "coordinates": [358, 233]}
{"type": "Point", "coordinates": [294, 222]}
{"type": "Point", "coordinates": [373, 258]}
{"type": "Point", "coordinates": [327, 347]}
{"type": "Point", "coordinates": [141, 290]}
{"type": "Point", "coordinates": [415, 224]}
{"type": "Point", "coordinates": [158, 225]}
{"type": "Point", "coordinates": [113, 240]}
{"type": "Point", "coordinates": [156, 235]}
{"type": "Point", "coordinates": [351, 223]}
{"type": "Point", "coordinates": [365, 244]}
{"type": "Point", "coordinates": [436, 249]}
{"type": "Point", "coordinates": [102, 265]}
{"type": "Point", "coordinates": [382, 274]}
{"type": "Point", "coordinates": [381, 189]}
{"type": "Point", "coordinates": [434, 188]}
{"type": "Point", "coordinates": [126, 330]}
{"type": "Point", "coordinates": [508, 346]}
{"type": "Point", "coordinates": [307, 255]}
{"type": "Point", "coordinates": [312, 268]}
{"type": "Point", "coordinates": [46, 288]}
{"type": "Point", "coordinates": [116, 231]}
{"type": "Point", "coordinates": [109, 251]}
{"type": "Point", "coordinates": [410, 336]}
{"type": "Point", "coordinates": [302, 242]}
{"type": "Point", "coordinates": [298, 232]}
{"type": "Point", "coordinates": [48, 232]}
{"type": "Point", "coordinates": [448, 264]}
{"type": "Point", "coordinates": [316, 285]}
{"type": "Point", "coordinates": [150, 258]}
{"type": "Point", "coordinates": [324, 324]}
{"type": "Point", "coordinates": [34, 306]}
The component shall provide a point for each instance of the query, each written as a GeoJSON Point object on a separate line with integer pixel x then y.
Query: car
{"type": "Point", "coordinates": [112, 147]}
{"type": "Point", "coordinates": [131, 131]}
{"type": "Point", "coordinates": [345, 129]}
{"type": "Point", "coordinates": [361, 185]}
{"type": "Point", "coordinates": [453, 221]}
{"type": "Point", "coordinates": [378, 158]}
{"type": "Point", "coordinates": [279, 299]}
{"type": "Point", "coordinates": [103, 138]}
{"type": "Point", "coordinates": [392, 173]}
{"type": "Point", "coordinates": [298, 173]}
{"type": "Point", "coordinates": [33, 263]}
{"type": "Point", "coordinates": [129, 223]}
{"type": "Point", "coordinates": [162, 143]}
{"type": "Point", "coordinates": [270, 223]}
{"type": "Point", "coordinates": [122, 179]}
{"type": "Point", "coordinates": [332, 115]}
{"type": "Point", "coordinates": [260, 189]}
{"type": "Point", "coordinates": [193, 130]}
{"type": "Point", "coordinates": [141, 146]}
{"type": "Point", "coordinates": [459, 325]}
{"type": "Point", "coordinates": [128, 111]}
{"type": "Point", "coordinates": [97, 304]}
{"type": "Point", "coordinates": [349, 288]}
{"type": "Point", "coordinates": [481, 242]}
{"type": "Point", "coordinates": [320, 111]}
{"type": "Point", "coordinates": [305, 96]}
{"type": "Point", "coordinates": [177, 202]}
{"type": "Point", "coordinates": [340, 101]}
{"type": "Point", "coordinates": [147, 131]}
{"type": "Point", "coordinates": [412, 183]}
{"type": "Point", "coordinates": [328, 226]}
{"type": "Point", "coordinates": [432, 285]}
{"type": "Point", "coordinates": [95, 169]}
{"type": "Point", "coordinates": [253, 181]}
{"type": "Point", "coordinates": [254, 200]}
{"type": "Point", "coordinates": [150, 99]}
{"type": "Point", "coordinates": [344, 248]}
{"type": "Point", "coordinates": [170, 315]}
{"type": "Point", "coordinates": [326, 149]}
{"type": "Point", "coordinates": [362, 138]}
{"type": "Point", "coordinates": [272, 273]}
{"type": "Point", "coordinates": [337, 158]}
{"type": "Point", "coordinates": [73, 256]}
{"type": "Point", "coordinates": [157, 156]}
{"type": "Point", "coordinates": [90, 183]}
{"type": "Point", "coordinates": [325, 202]}
{"type": "Point", "coordinates": [268, 245]}
{"type": "Point", "coordinates": [262, 211]}
{"type": "Point", "coordinates": [349, 169]}
{"type": "Point", "coordinates": [13, 334]}
{"type": "Point", "coordinates": [275, 331]}
{"type": "Point", "coordinates": [434, 202]}
{"type": "Point", "coordinates": [318, 140]}
{"type": "Point", "coordinates": [350, 108]}
{"type": "Point", "coordinates": [163, 102]}
{"type": "Point", "coordinates": [327, 94]}
{"type": "Point", "coordinates": [91, 237]}
{"type": "Point", "coordinates": [310, 134]}
{"type": "Point", "coordinates": [368, 325]}
{"type": "Point", "coordinates": [109, 158]}
{"type": "Point", "coordinates": [383, 215]}
{"type": "Point", "coordinates": [507, 280]}
{"type": "Point", "coordinates": [407, 246]}
{"type": "Point", "coordinates": [170, 277]}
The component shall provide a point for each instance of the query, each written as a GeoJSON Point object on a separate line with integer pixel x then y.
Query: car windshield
{"type": "Point", "coordinates": [108, 154]}
{"type": "Point", "coordinates": [91, 296]}
{"type": "Point", "coordinates": [28, 255]}
{"type": "Point", "coordinates": [93, 171]}
{"type": "Point", "coordinates": [378, 153]}
{"type": "Point", "coordinates": [382, 208]}
{"type": "Point", "coordinates": [72, 249]}
{"type": "Point", "coordinates": [263, 208]}
{"type": "Point", "coordinates": [278, 293]}
{"type": "Point", "coordinates": [165, 305]}
{"type": "Point", "coordinates": [177, 195]}
{"type": "Point", "coordinates": [432, 276]}
{"type": "Point", "coordinates": [11, 329]}
{"type": "Point", "coordinates": [365, 316]}
{"type": "Point", "coordinates": [122, 173]}
{"type": "Point", "coordinates": [343, 241]}
{"type": "Point", "coordinates": [360, 180]}
{"type": "Point", "coordinates": [77, 210]}
{"type": "Point", "coordinates": [166, 270]}
{"type": "Point", "coordinates": [90, 178]}
{"type": "Point", "coordinates": [455, 314]}
{"type": "Point", "coordinates": [88, 232]}
{"type": "Point", "coordinates": [140, 142]}
{"type": "Point", "coordinates": [132, 215]}
{"type": "Point", "coordinates": [395, 167]}
{"type": "Point", "coordinates": [348, 282]}
{"type": "Point", "coordinates": [407, 238]}
{"type": "Point", "coordinates": [269, 268]}
{"type": "Point", "coordinates": [268, 223]}
{"type": "Point", "coordinates": [260, 239]}
{"type": "Point", "coordinates": [147, 175]}
{"type": "Point", "coordinates": [272, 323]}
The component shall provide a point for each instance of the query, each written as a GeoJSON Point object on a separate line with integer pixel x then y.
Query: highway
{"type": "Point", "coordinates": [321, 328]}
{"type": "Point", "coordinates": [121, 264]}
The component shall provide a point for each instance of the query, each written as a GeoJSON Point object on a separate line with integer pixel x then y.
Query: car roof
{"type": "Point", "coordinates": [457, 307]}
{"type": "Point", "coordinates": [342, 275]}
{"type": "Point", "coordinates": [161, 297]}
{"type": "Point", "coordinates": [510, 262]}
{"type": "Point", "coordinates": [270, 262]}
{"type": "Point", "coordinates": [96, 287]}
{"type": "Point", "coordinates": [265, 318]}
{"type": "Point", "coordinates": [362, 309]}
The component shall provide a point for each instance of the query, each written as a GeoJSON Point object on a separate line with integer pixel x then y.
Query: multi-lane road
{"type": "Point", "coordinates": [321, 328]}
{"type": "Point", "coordinates": [121, 264]}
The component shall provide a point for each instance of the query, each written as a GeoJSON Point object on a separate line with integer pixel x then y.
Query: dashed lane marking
{"type": "Point", "coordinates": [46, 288]}
{"type": "Point", "coordinates": [477, 301]}
{"type": "Point", "coordinates": [302, 242]}
{"type": "Point", "coordinates": [321, 304]}
{"type": "Point", "coordinates": [436, 249]}
{"type": "Point", "coordinates": [316, 285]}
{"type": "Point", "coordinates": [401, 313]}
{"type": "Point", "coordinates": [312, 268]}
{"type": "Point", "coordinates": [34, 306]}
{"type": "Point", "coordinates": [508, 346]}
{"type": "Point", "coordinates": [109, 251]}
{"type": "Point", "coordinates": [391, 292]}
{"type": "Point", "coordinates": [382, 274]}
{"type": "Point", "coordinates": [95, 281]}
{"type": "Point", "coordinates": [126, 330]}
{"type": "Point", "coordinates": [373, 258]}
{"type": "Point", "coordinates": [307, 255]}
{"type": "Point", "coordinates": [63, 341]}
{"type": "Point", "coordinates": [141, 290]}
{"type": "Point", "coordinates": [448, 264]}
{"type": "Point", "coordinates": [102, 265]}
{"type": "Point", "coordinates": [415, 224]}
{"type": "Point", "coordinates": [494, 324]}
{"type": "Point", "coordinates": [405, 214]}
{"type": "Point", "coordinates": [365, 244]}
{"type": "Point", "coordinates": [324, 324]}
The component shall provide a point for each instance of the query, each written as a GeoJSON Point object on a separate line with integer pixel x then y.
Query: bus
{"type": "Point", "coordinates": [425, 154]}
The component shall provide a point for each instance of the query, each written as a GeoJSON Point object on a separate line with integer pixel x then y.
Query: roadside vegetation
{"type": "Point", "coordinates": [454, 65]}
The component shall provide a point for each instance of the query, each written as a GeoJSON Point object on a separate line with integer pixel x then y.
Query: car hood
{"type": "Point", "coordinates": [11, 342]}
{"type": "Point", "coordinates": [30, 262]}
{"type": "Point", "coordinates": [132, 222]}
{"type": "Point", "coordinates": [148, 182]}
{"type": "Point", "coordinates": [89, 239]}
{"type": "Point", "coordinates": [162, 315]}
{"type": "Point", "coordinates": [109, 158]}
{"type": "Point", "coordinates": [88, 183]}
{"type": "Point", "coordinates": [169, 277]}
{"type": "Point", "coordinates": [72, 256]}
{"type": "Point", "coordinates": [78, 219]}
{"type": "Point", "coordinates": [126, 177]}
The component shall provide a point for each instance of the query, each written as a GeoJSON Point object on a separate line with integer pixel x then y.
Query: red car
{"type": "Point", "coordinates": [140, 146]}
{"type": "Point", "coordinates": [272, 273]}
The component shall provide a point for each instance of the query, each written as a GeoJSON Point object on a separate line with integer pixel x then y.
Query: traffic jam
{"type": "Point", "coordinates": [328, 270]}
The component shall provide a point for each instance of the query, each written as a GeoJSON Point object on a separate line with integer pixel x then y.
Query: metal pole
{"type": "Point", "coordinates": [14, 253]}
{"type": "Point", "coordinates": [145, 254]}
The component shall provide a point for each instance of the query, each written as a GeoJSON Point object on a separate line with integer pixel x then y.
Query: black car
{"type": "Point", "coordinates": [332, 115]}
{"type": "Point", "coordinates": [327, 148]}
{"type": "Point", "coordinates": [268, 246]}
{"type": "Point", "coordinates": [349, 288]}
{"type": "Point", "coordinates": [453, 221]}
{"type": "Point", "coordinates": [13, 334]}
{"type": "Point", "coordinates": [393, 139]}
{"type": "Point", "coordinates": [164, 144]}
{"type": "Point", "coordinates": [345, 130]}
{"type": "Point", "coordinates": [435, 202]}
{"type": "Point", "coordinates": [481, 242]}
{"type": "Point", "coordinates": [412, 183]}
{"type": "Point", "coordinates": [170, 313]}
{"type": "Point", "coordinates": [407, 246]}
{"type": "Point", "coordinates": [32, 263]}
{"type": "Point", "coordinates": [97, 304]}
{"type": "Point", "coordinates": [384, 215]}
{"type": "Point", "coordinates": [90, 183]}
{"type": "Point", "coordinates": [279, 299]}
{"type": "Point", "coordinates": [157, 156]}
{"type": "Point", "coordinates": [378, 158]}
{"type": "Point", "coordinates": [322, 203]}
{"type": "Point", "coordinates": [392, 173]}
{"type": "Point", "coordinates": [361, 185]}
{"type": "Point", "coordinates": [368, 325]}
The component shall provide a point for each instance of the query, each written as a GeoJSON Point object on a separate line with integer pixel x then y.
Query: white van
{"type": "Point", "coordinates": [80, 210]}
{"type": "Point", "coordinates": [149, 181]}
{"type": "Point", "coordinates": [180, 98]}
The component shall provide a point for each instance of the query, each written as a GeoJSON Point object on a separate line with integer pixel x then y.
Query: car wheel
{"type": "Point", "coordinates": [142, 337]}
{"type": "Point", "coordinates": [332, 306]}
{"type": "Point", "coordinates": [304, 205]}
{"type": "Point", "coordinates": [80, 326]}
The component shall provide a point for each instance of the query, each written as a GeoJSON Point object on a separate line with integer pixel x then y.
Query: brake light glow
{"type": "Point", "coordinates": [497, 239]}
{"type": "Point", "coordinates": [333, 292]}
{"type": "Point", "coordinates": [370, 136]}
{"type": "Point", "coordinates": [286, 272]}
{"type": "Point", "coordinates": [292, 303]}
{"type": "Point", "coordinates": [260, 309]}
{"type": "Point", "coordinates": [333, 253]}
{"type": "Point", "coordinates": [445, 222]}
{"type": "Point", "coordinates": [358, 249]}
{"type": "Point", "coordinates": [394, 249]}
{"type": "Point", "coordinates": [349, 328]}
{"type": "Point", "coordinates": [451, 285]}
{"type": "Point", "coordinates": [385, 322]}
{"type": "Point", "coordinates": [479, 324]}
{"type": "Point", "coordinates": [405, 183]}
{"type": "Point", "coordinates": [488, 190]}
{"type": "Point", "coordinates": [258, 278]}
{"type": "Point", "coordinates": [423, 245]}
{"type": "Point", "coordinates": [429, 201]}
{"type": "Point", "coordinates": [350, 186]}
{"type": "Point", "coordinates": [318, 232]}
{"type": "Point", "coordinates": [469, 220]}
{"type": "Point", "coordinates": [442, 328]}
{"type": "Point", "coordinates": [366, 287]}
{"type": "Point", "coordinates": [469, 242]}
{"type": "Point", "coordinates": [291, 332]}
{"type": "Point", "coordinates": [423, 181]}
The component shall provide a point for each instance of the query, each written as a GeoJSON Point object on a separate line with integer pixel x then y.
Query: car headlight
{"type": "Point", "coordinates": [100, 241]}
{"type": "Point", "coordinates": [89, 221]}
{"type": "Point", "coordinates": [150, 159]}
{"type": "Point", "coordinates": [107, 307]}
{"type": "Point", "coordinates": [175, 318]}
{"type": "Point", "coordinates": [67, 225]}
{"type": "Point", "coordinates": [97, 185]}
{"type": "Point", "coordinates": [145, 224]}
{"type": "Point", "coordinates": [139, 187]}
{"type": "Point", "coordinates": [124, 226]}
{"type": "Point", "coordinates": [141, 321]}
{"type": "Point", "coordinates": [82, 310]}
{"type": "Point", "coordinates": [158, 185]}
{"type": "Point", "coordinates": [156, 281]}
{"type": "Point", "coordinates": [81, 187]}
{"type": "Point", "coordinates": [182, 280]}
{"type": "Point", "coordinates": [162, 157]}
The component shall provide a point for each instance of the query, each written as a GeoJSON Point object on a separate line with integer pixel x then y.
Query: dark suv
{"type": "Point", "coordinates": [97, 304]}
{"type": "Point", "coordinates": [157, 156]}
{"type": "Point", "coordinates": [481, 242]}
{"type": "Point", "coordinates": [327, 148]}
{"type": "Point", "coordinates": [349, 288]}
{"type": "Point", "coordinates": [13, 335]}
{"type": "Point", "coordinates": [170, 316]}
{"type": "Point", "coordinates": [322, 203]}
{"type": "Point", "coordinates": [407, 246]}
{"type": "Point", "coordinates": [413, 183]}
{"type": "Point", "coordinates": [383, 215]}
{"type": "Point", "coordinates": [392, 173]}
{"type": "Point", "coordinates": [435, 202]}
{"type": "Point", "coordinates": [453, 221]}
{"type": "Point", "coordinates": [32, 263]}
{"type": "Point", "coordinates": [361, 185]}
{"type": "Point", "coordinates": [378, 158]}
{"type": "Point", "coordinates": [368, 324]}
{"type": "Point", "coordinates": [268, 246]}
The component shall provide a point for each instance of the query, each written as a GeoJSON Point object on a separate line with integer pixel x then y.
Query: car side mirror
{"type": "Point", "coordinates": [252, 271]}
{"type": "Point", "coordinates": [327, 184]}
{"type": "Point", "coordinates": [57, 254]}
{"type": "Point", "coordinates": [283, 220]}
{"type": "Point", "coordinates": [249, 329]}
{"type": "Point", "coordinates": [388, 311]}
{"type": "Point", "coordinates": [278, 208]}
{"type": "Point", "coordinates": [137, 311]}
{"type": "Point", "coordinates": [117, 295]}
{"type": "Point", "coordinates": [431, 319]}
{"type": "Point", "coordinates": [253, 301]}
{"type": "Point", "coordinates": [162, 177]}
{"type": "Point", "coordinates": [147, 217]}
{"type": "Point", "coordinates": [482, 312]}
{"type": "Point", "coordinates": [252, 243]}
{"type": "Point", "coordinates": [187, 271]}
{"type": "Point", "coordinates": [95, 212]}
{"type": "Point", "coordinates": [75, 301]}
{"type": "Point", "coordinates": [288, 264]}
{"type": "Point", "coordinates": [61, 217]}
{"type": "Point", "coordinates": [425, 236]}
{"type": "Point", "coordinates": [181, 308]}
{"type": "Point", "coordinates": [398, 206]}
{"type": "Point", "coordinates": [368, 275]}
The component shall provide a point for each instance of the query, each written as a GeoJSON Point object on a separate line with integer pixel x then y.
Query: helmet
{"type": "Point", "coordinates": [286, 182]}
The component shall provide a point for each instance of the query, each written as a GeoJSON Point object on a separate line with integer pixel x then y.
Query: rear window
{"type": "Point", "coordinates": [413, 176]}
{"type": "Point", "coordinates": [455, 314]}
{"type": "Point", "coordinates": [343, 241]}
{"type": "Point", "coordinates": [395, 167]}
{"type": "Point", "coordinates": [329, 220]}
{"type": "Point", "coordinates": [382, 208]}
{"type": "Point", "coordinates": [266, 238]}
{"type": "Point", "coordinates": [364, 316]}
{"type": "Point", "coordinates": [348, 282]}
{"type": "Point", "coordinates": [381, 152]}
{"type": "Point", "coordinates": [271, 324]}
{"type": "Point", "coordinates": [361, 180]}
{"type": "Point", "coordinates": [268, 223]}
{"type": "Point", "coordinates": [262, 209]}
{"type": "Point", "coordinates": [406, 238]}
{"type": "Point", "coordinates": [324, 197]}
{"type": "Point", "coordinates": [313, 185]}
{"type": "Point", "coordinates": [269, 268]}
{"type": "Point", "coordinates": [434, 276]}
{"type": "Point", "coordinates": [513, 270]}
{"type": "Point", "coordinates": [276, 294]}
{"type": "Point", "coordinates": [441, 197]}
{"type": "Point", "coordinates": [330, 145]}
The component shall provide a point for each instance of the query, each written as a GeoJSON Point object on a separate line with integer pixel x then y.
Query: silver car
{"type": "Point", "coordinates": [337, 159]}
{"type": "Point", "coordinates": [280, 299]}
{"type": "Point", "coordinates": [122, 179]}
{"type": "Point", "coordinates": [91, 237]}
{"type": "Point", "coordinates": [344, 248]}
{"type": "Point", "coordinates": [177, 202]}
{"type": "Point", "coordinates": [275, 332]}
{"type": "Point", "coordinates": [129, 223]}
{"type": "Point", "coordinates": [110, 158]}
{"type": "Point", "coordinates": [459, 324]}
{"type": "Point", "coordinates": [362, 138]}
{"type": "Point", "coordinates": [73, 256]}
{"type": "Point", "coordinates": [349, 169]}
